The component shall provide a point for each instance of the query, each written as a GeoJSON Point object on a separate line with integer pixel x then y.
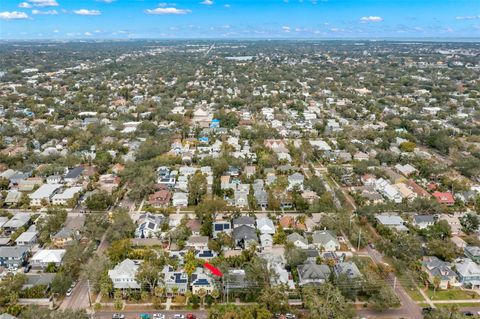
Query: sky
{"type": "Point", "coordinates": [239, 19]}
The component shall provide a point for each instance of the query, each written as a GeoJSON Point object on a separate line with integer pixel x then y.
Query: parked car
{"type": "Point", "coordinates": [73, 284]}
{"type": "Point", "coordinates": [178, 316]}
{"type": "Point", "coordinates": [191, 316]}
{"type": "Point", "coordinates": [158, 316]}
{"type": "Point", "coordinates": [69, 292]}
{"type": "Point", "coordinates": [144, 316]}
{"type": "Point", "coordinates": [118, 316]}
{"type": "Point", "coordinates": [27, 268]}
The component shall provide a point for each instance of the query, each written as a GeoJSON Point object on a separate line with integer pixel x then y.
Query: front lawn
{"type": "Point", "coordinates": [451, 294]}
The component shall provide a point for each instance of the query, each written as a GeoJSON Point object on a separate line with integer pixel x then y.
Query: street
{"type": "Point", "coordinates": [409, 308]}
{"type": "Point", "coordinates": [135, 314]}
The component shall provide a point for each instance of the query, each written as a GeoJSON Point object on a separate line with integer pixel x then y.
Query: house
{"type": "Point", "coordinates": [348, 269]}
{"type": "Point", "coordinates": [244, 221]}
{"type": "Point", "coordinates": [294, 180]}
{"type": "Point", "coordinates": [265, 226]}
{"type": "Point", "coordinates": [43, 257]}
{"type": "Point", "coordinates": [175, 281]}
{"type": "Point", "coordinates": [27, 238]}
{"type": "Point", "coordinates": [197, 242]}
{"type": "Point", "coordinates": [313, 274]}
{"type": "Point", "coordinates": [261, 196]}
{"type": "Point", "coordinates": [391, 221]}
{"type": "Point", "coordinates": [205, 254]}
{"type": "Point", "coordinates": [454, 221]}
{"type": "Point", "coordinates": [194, 225]}
{"type": "Point", "coordinates": [468, 273]}
{"type": "Point", "coordinates": [54, 179]}
{"type": "Point", "coordinates": [44, 194]}
{"type": "Point", "coordinates": [222, 226]}
{"type": "Point", "coordinates": [201, 280]}
{"type": "Point", "coordinates": [445, 198]}
{"type": "Point", "coordinates": [13, 197]}
{"type": "Point", "coordinates": [149, 225]}
{"type": "Point", "coordinates": [298, 240]}
{"type": "Point", "coordinates": [325, 241]}
{"type": "Point", "coordinates": [244, 235]}
{"type": "Point", "coordinates": [67, 195]}
{"type": "Point", "coordinates": [472, 252]}
{"type": "Point", "coordinates": [19, 220]}
{"type": "Point", "coordinates": [160, 198]}
{"type": "Point", "coordinates": [240, 198]}
{"type": "Point", "coordinates": [73, 175]}
{"type": "Point", "coordinates": [387, 190]}
{"type": "Point", "coordinates": [123, 275]}
{"type": "Point", "coordinates": [360, 156]}
{"type": "Point", "coordinates": [406, 169]}
{"type": "Point", "coordinates": [64, 237]}
{"type": "Point", "coordinates": [13, 257]}
{"type": "Point", "coordinates": [266, 240]}
{"type": "Point", "coordinates": [436, 268]}
{"type": "Point", "coordinates": [423, 221]}
{"type": "Point", "coordinates": [7, 316]}
{"type": "Point", "coordinates": [180, 199]}
{"type": "Point", "coordinates": [459, 242]}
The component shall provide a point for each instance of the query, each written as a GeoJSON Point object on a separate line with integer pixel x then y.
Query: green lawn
{"type": "Point", "coordinates": [460, 305]}
{"type": "Point", "coordinates": [451, 294]}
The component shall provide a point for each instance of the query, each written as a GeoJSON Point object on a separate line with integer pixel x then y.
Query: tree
{"type": "Point", "coordinates": [149, 271]}
{"type": "Point", "coordinates": [470, 223]}
{"type": "Point", "coordinates": [384, 299]}
{"type": "Point", "coordinates": [119, 250]}
{"type": "Point", "coordinates": [4, 183]}
{"type": "Point", "coordinates": [122, 226]}
{"type": "Point", "coordinates": [275, 299]}
{"type": "Point", "coordinates": [326, 303]}
{"type": "Point", "coordinates": [443, 249]}
{"type": "Point", "coordinates": [280, 237]}
{"type": "Point", "coordinates": [407, 146]}
{"type": "Point", "coordinates": [34, 312]}
{"type": "Point", "coordinates": [197, 188]}
{"type": "Point", "coordinates": [294, 256]}
{"type": "Point", "coordinates": [439, 230]}
{"type": "Point", "coordinates": [99, 201]}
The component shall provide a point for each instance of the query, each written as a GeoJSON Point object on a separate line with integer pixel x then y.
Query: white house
{"type": "Point", "coordinates": [44, 257]}
{"type": "Point", "coordinates": [180, 199]}
{"type": "Point", "coordinates": [123, 275]}
{"type": "Point", "coordinates": [325, 241]}
{"type": "Point", "coordinates": [66, 195]}
{"type": "Point", "coordinates": [44, 192]}
{"type": "Point", "coordinates": [265, 226]}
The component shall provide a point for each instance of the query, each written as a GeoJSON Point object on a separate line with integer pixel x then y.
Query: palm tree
{"type": "Point", "coordinates": [436, 284]}
{"type": "Point", "coordinates": [188, 295]}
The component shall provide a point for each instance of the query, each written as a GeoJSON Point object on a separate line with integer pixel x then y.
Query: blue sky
{"type": "Point", "coordinates": [122, 19]}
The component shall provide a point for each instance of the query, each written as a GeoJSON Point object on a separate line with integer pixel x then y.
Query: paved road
{"type": "Point", "coordinates": [79, 296]}
{"type": "Point", "coordinates": [136, 314]}
{"type": "Point", "coordinates": [409, 308]}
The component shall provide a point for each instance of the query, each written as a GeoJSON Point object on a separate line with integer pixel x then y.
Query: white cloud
{"type": "Point", "coordinates": [44, 3]}
{"type": "Point", "coordinates": [207, 2]}
{"type": "Point", "coordinates": [468, 17]}
{"type": "Point", "coordinates": [88, 34]}
{"type": "Point", "coordinates": [56, 31]}
{"type": "Point", "coordinates": [25, 5]}
{"type": "Point", "coordinates": [48, 12]}
{"type": "Point", "coordinates": [371, 19]}
{"type": "Point", "coordinates": [167, 11]}
{"type": "Point", "coordinates": [227, 6]}
{"type": "Point", "coordinates": [13, 15]}
{"type": "Point", "coordinates": [106, 1]}
{"type": "Point", "coordinates": [86, 12]}
{"type": "Point", "coordinates": [286, 29]}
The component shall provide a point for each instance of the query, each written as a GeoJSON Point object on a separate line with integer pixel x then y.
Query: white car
{"type": "Point", "coordinates": [178, 316]}
{"type": "Point", "coordinates": [158, 316]}
{"type": "Point", "coordinates": [69, 292]}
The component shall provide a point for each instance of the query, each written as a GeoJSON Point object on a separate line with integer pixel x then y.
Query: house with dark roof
{"type": "Point", "coordinates": [244, 235]}
{"type": "Point", "coordinates": [175, 280]}
{"type": "Point", "coordinates": [73, 175]}
{"type": "Point", "coordinates": [244, 221]}
{"type": "Point", "coordinates": [313, 274]}
{"type": "Point", "coordinates": [200, 280]}
{"type": "Point", "coordinates": [149, 225]}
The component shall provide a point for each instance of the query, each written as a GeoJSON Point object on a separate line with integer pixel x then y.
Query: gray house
{"type": "Point", "coordinates": [244, 235]}
{"type": "Point", "coordinates": [13, 257]}
{"type": "Point", "coordinates": [348, 269]}
{"type": "Point", "coordinates": [313, 274]}
{"type": "Point", "coordinates": [325, 240]}
{"type": "Point", "coordinates": [244, 221]}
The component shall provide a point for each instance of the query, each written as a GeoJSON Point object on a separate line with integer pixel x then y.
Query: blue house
{"type": "Point", "coordinates": [13, 257]}
{"type": "Point", "coordinates": [203, 139]}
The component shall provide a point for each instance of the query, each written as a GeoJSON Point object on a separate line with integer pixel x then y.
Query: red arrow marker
{"type": "Point", "coordinates": [215, 271]}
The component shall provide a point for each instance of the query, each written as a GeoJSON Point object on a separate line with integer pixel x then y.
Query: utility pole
{"type": "Point", "coordinates": [359, 235]}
